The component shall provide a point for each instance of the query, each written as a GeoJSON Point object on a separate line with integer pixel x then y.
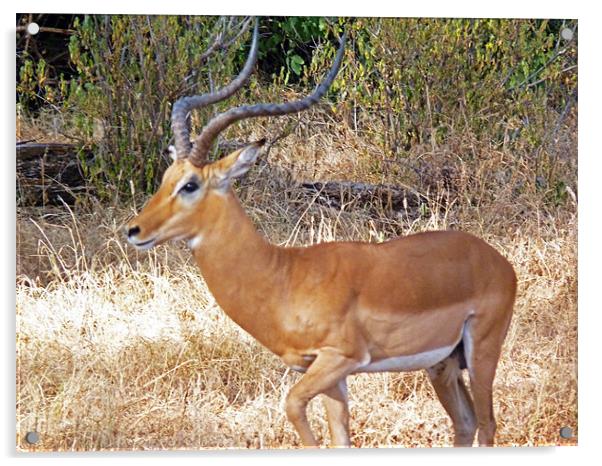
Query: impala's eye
{"type": "Point", "coordinates": [189, 187]}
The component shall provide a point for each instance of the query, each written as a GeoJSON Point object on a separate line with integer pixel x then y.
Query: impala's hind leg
{"type": "Point", "coordinates": [483, 341]}
{"type": "Point", "coordinates": [446, 378]}
{"type": "Point", "coordinates": [481, 384]}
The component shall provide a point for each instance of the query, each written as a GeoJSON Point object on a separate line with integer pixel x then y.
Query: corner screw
{"type": "Point", "coordinates": [566, 432]}
{"type": "Point", "coordinates": [566, 34]}
{"type": "Point", "coordinates": [32, 437]}
{"type": "Point", "coordinates": [33, 29]}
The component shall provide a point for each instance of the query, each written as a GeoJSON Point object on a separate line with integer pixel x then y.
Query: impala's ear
{"type": "Point", "coordinates": [236, 164]}
{"type": "Point", "coordinates": [173, 155]}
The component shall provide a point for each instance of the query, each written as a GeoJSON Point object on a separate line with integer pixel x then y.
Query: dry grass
{"type": "Point", "coordinates": [121, 350]}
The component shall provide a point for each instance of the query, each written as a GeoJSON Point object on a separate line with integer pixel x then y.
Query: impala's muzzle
{"type": "Point", "coordinates": [133, 231]}
{"type": "Point", "coordinates": [132, 235]}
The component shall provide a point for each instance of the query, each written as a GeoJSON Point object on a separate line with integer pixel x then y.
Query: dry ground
{"type": "Point", "coordinates": [124, 350]}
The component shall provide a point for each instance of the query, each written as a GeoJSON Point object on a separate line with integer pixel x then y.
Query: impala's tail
{"type": "Point", "coordinates": [459, 354]}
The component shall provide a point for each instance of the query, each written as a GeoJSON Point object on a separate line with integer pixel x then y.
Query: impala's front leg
{"type": "Point", "coordinates": [324, 376]}
{"type": "Point", "coordinates": [337, 412]}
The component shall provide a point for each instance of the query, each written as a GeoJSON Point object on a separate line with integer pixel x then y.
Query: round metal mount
{"type": "Point", "coordinates": [566, 432]}
{"type": "Point", "coordinates": [33, 29]}
{"type": "Point", "coordinates": [32, 437]}
{"type": "Point", "coordinates": [566, 34]}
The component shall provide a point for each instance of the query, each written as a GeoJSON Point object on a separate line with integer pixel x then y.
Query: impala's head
{"type": "Point", "coordinates": [191, 182]}
{"type": "Point", "coordinates": [180, 206]}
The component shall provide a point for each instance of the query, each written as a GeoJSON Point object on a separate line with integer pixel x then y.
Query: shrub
{"type": "Point", "coordinates": [405, 82]}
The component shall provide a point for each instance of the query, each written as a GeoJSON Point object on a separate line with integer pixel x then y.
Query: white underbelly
{"type": "Point", "coordinates": [410, 362]}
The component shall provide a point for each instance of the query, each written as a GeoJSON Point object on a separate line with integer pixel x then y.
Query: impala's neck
{"type": "Point", "coordinates": [242, 270]}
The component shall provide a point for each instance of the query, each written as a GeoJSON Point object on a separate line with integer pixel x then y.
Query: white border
{"type": "Point", "coordinates": [432, 8]}
{"type": "Point", "coordinates": [589, 234]}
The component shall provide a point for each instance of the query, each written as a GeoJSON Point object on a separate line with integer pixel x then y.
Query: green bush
{"type": "Point", "coordinates": [131, 69]}
{"type": "Point", "coordinates": [404, 81]}
{"type": "Point", "coordinates": [420, 79]}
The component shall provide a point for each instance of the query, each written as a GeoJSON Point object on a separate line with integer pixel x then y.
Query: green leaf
{"type": "Point", "coordinates": [296, 64]}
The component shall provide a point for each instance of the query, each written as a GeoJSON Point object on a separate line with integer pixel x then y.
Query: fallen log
{"type": "Point", "coordinates": [376, 198]}
{"type": "Point", "coordinates": [49, 172]}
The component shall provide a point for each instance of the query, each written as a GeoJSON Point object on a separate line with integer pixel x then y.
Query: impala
{"type": "Point", "coordinates": [440, 301]}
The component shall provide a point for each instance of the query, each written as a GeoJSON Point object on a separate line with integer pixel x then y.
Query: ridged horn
{"type": "Point", "coordinates": [219, 123]}
{"type": "Point", "coordinates": [184, 105]}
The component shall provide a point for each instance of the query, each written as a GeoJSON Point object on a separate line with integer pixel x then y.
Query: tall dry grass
{"type": "Point", "coordinates": [124, 350]}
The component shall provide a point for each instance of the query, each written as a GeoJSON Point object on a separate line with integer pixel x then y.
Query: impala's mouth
{"type": "Point", "coordinates": [143, 245]}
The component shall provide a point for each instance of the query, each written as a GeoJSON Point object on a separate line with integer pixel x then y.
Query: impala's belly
{"type": "Point", "coordinates": [375, 362]}
{"type": "Point", "coordinates": [410, 362]}
{"type": "Point", "coordinates": [383, 355]}
{"type": "Point", "coordinates": [407, 339]}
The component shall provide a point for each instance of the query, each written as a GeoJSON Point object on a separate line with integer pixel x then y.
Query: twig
{"type": "Point", "coordinates": [245, 25]}
{"type": "Point", "coordinates": [539, 70]}
{"type": "Point", "coordinates": [287, 131]}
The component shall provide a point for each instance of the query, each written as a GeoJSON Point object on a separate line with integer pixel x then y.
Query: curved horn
{"type": "Point", "coordinates": [222, 121]}
{"type": "Point", "coordinates": [182, 106]}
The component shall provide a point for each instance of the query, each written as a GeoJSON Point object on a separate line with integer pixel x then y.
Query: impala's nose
{"type": "Point", "coordinates": [133, 231]}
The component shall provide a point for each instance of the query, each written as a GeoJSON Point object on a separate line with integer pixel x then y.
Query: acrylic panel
{"type": "Point", "coordinates": [295, 232]}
